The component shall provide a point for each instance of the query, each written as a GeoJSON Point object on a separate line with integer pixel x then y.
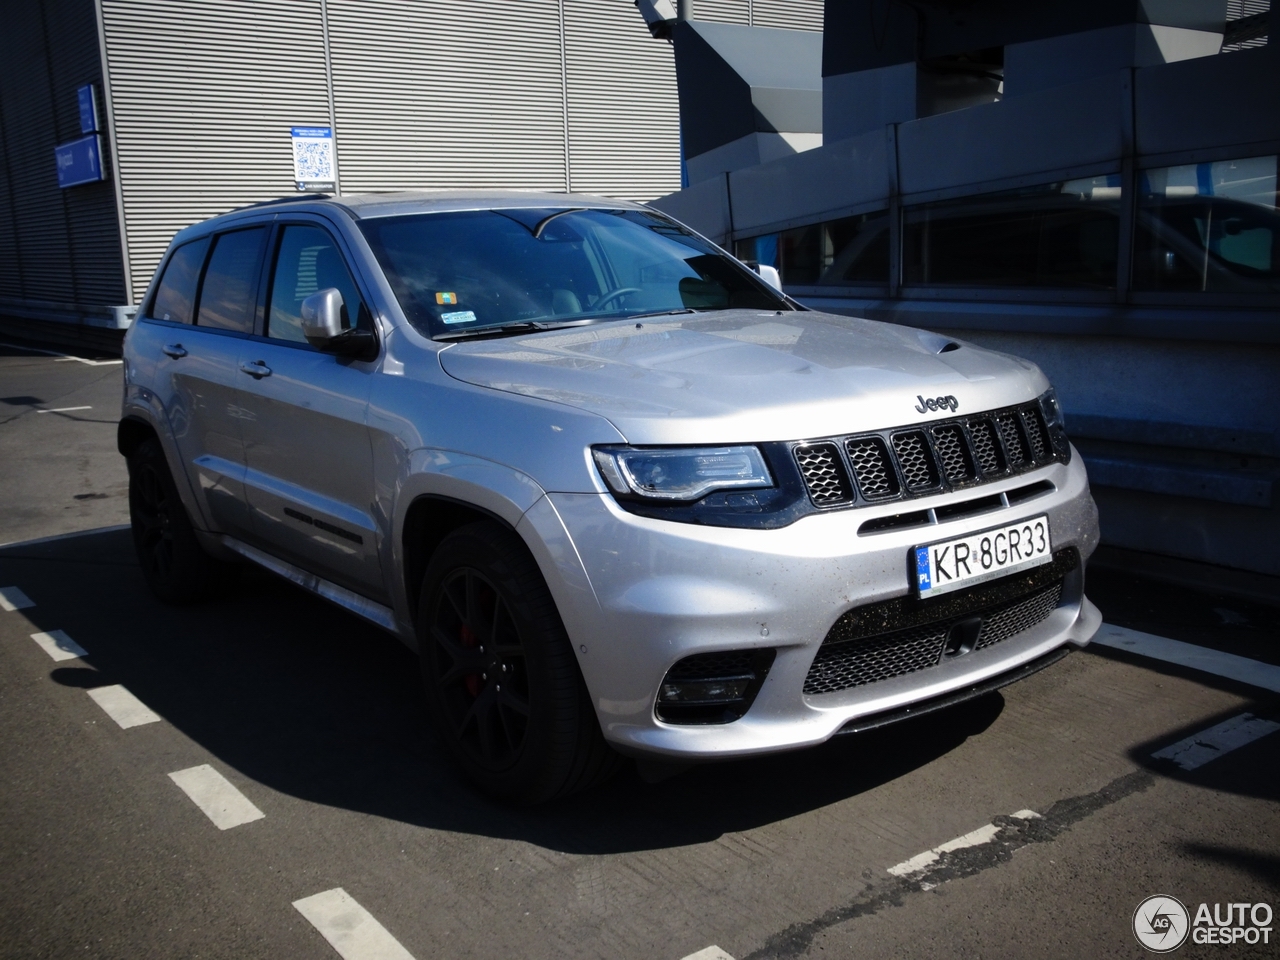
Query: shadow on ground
{"type": "Point", "coordinates": [310, 701]}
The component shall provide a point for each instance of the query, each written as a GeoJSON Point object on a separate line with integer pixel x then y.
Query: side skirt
{"type": "Point", "coordinates": [363, 607]}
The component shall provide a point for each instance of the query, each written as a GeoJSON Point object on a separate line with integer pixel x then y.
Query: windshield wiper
{"type": "Point", "coordinates": [659, 313]}
{"type": "Point", "coordinates": [510, 329]}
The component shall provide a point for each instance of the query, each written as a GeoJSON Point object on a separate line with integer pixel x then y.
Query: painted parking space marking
{"type": "Point", "coordinates": [61, 357]}
{"type": "Point", "coordinates": [349, 927]}
{"type": "Point", "coordinates": [122, 706]}
{"type": "Point", "coordinates": [1228, 665]}
{"type": "Point", "coordinates": [709, 953]}
{"type": "Point", "coordinates": [1200, 748]}
{"type": "Point", "coordinates": [11, 599]}
{"type": "Point", "coordinates": [216, 796]}
{"type": "Point", "coordinates": [58, 645]}
{"type": "Point", "coordinates": [62, 409]}
{"type": "Point", "coordinates": [921, 861]}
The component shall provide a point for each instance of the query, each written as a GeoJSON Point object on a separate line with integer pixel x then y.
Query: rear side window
{"type": "Point", "coordinates": [230, 290]}
{"type": "Point", "coordinates": [177, 292]}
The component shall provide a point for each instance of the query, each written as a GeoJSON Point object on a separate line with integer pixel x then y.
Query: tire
{"type": "Point", "coordinates": [502, 682]}
{"type": "Point", "coordinates": [175, 566]}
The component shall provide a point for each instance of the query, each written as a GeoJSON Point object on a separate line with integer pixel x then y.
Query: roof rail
{"type": "Point", "coordinates": [295, 198]}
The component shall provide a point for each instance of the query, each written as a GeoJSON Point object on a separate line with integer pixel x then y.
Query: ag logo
{"type": "Point", "coordinates": [1161, 923]}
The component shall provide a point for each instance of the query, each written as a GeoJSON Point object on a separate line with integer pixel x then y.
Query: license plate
{"type": "Point", "coordinates": [964, 561]}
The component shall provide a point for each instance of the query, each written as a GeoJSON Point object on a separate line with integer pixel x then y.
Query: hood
{"type": "Point", "coordinates": [738, 376]}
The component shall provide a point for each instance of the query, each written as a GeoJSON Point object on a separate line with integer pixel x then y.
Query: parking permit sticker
{"type": "Point", "coordinates": [459, 316]}
{"type": "Point", "coordinates": [446, 298]}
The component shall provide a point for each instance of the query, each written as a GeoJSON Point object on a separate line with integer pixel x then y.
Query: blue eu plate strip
{"type": "Point", "coordinates": [922, 569]}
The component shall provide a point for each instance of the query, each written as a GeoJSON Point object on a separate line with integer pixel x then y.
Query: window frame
{"type": "Point", "coordinates": [261, 329]}
{"type": "Point", "coordinates": [215, 237]}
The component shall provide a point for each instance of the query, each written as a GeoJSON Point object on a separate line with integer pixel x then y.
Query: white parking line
{"type": "Point", "coordinates": [122, 706]}
{"type": "Point", "coordinates": [349, 927]}
{"type": "Point", "coordinates": [62, 409]}
{"type": "Point", "coordinates": [971, 839]}
{"type": "Point", "coordinates": [1200, 748]}
{"type": "Point", "coordinates": [62, 357]}
{"type": "Point", "coordinates": [11, 599]}
{"type": "Point", "coordinates": [1253, 672]}
{"type": "Point", "coordinates": [709, 953]}
{"type": "Point", "coordinates": [216, 797]}
{"type": "Point", "coordinates": [58, 645]}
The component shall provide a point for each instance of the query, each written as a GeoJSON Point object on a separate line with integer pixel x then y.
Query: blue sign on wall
{"type": "Point", "coordinates": [88, 109]}
{"type": "Point", "coordinates": [79, 161]}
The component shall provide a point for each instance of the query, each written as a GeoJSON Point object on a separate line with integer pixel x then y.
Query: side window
{"type": "Point", "coordinates": [230, 290]}
{"type": "Point", "coordinates": [308, 262]}
{"type": "Point", "coordinates": [177, 291]}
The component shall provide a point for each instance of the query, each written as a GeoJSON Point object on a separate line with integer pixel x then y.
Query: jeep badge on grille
{"type": "Point", "coordinates": [937, 403]}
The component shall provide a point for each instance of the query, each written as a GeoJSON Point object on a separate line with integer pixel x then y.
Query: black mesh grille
{"type": "Point", "coordinates": [701, 666]}
{"type": "Point", "coordinates": [1021, 616]}
{"type": "Point", "coordinates": [985, 446]}
{"type": "Point", "coordinates": [1015, 447]}
{"type": "Point", "coordinates": [1037, 434]}
{"type": "Point", "coordinates": [918, 470]}
{"type": "Point", "coordinates": [872, 468]}
{"type": "Point", "coordinates": [949, 443]}
{"type": "Point", "coordinates": [853, 663]}
{"type": "Point", "coordinates": [920, 460]}
{"type": "Point", "coordinates": [824, 474]}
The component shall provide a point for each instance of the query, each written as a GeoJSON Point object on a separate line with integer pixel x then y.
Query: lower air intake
{"type": "Point", "coordinates": [713, 687]}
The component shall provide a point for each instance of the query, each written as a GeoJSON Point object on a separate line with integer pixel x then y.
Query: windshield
{"type": "Point", "coordinates": [481, 270]}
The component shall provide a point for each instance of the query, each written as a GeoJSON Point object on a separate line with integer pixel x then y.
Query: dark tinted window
{"type": "Point", "coordinates": [177, 291]}
{"type": "Point", "coordinates": [308, 262]}
{"type": "Point", "coordinates": [478, 269]}
{"type": "Point", "coordinates": [1209, 227]}
{"type": "Point", "coordinates": [230, 290]}
{"type": "Point", "coordinates": [1059, 235]}
{"type": "Point", "coordinates": [848, 251]}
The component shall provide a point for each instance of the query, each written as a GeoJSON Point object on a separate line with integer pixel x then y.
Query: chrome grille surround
{"type": "Point", "coordinates": [906, 462]}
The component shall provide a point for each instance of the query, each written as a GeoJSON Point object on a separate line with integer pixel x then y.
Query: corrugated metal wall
{"type": "Point", "coordinates": [61, 247]}
{"type": "Point", "coordinates": [529, 94]}
{"type": "Point", "coordinates": [205, 93]}
{"type": "Point", "coordinates": [788, 14]}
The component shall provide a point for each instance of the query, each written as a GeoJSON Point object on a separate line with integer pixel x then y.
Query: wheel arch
{"type": "Point", "coordinates": [131, 432]}
{"type": "Point", "coordinates": [429, 519]}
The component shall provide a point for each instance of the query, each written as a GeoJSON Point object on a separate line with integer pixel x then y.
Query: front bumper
{"type": "Point", "coordinates": [660, 591]}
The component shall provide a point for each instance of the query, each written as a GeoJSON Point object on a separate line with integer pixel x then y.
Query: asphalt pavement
{"type": "Point", "coordinates": [252, 777]}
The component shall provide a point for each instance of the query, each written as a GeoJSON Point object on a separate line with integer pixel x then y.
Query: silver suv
{"type": "Point", "coordinates": [619, 493]}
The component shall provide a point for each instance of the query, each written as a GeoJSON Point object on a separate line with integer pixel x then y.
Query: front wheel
{"type": "Point", "coordinates": [502, 682]}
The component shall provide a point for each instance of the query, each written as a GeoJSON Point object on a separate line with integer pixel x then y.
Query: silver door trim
{"type": "Point", "coordinates": [361, 606]}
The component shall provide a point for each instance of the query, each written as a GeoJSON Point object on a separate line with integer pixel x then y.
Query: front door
{"type": "Point", "coordinates": [309, 481]}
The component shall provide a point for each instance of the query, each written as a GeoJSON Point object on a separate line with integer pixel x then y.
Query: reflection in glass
{"type": "Point", "coordinates": [1209, 227]}
{"type": "Point", "coordinates": [848, 251]}
{"type": "Point", "coordinates": [1062, 234]}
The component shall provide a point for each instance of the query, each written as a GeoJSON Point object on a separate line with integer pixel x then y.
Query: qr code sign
{"type": "Point", "coordinates": [312, 159]}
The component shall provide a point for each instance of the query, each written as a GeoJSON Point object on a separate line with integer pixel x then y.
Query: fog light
{"type": "Point", "coordinates": [706, 691]}
{"type": "Point", "coordinates": [712, 687]}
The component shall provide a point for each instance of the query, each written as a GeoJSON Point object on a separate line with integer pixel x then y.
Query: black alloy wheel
{"type": "Point", "coordinates": [483, 685]}
{"type": "Point", "coordinates": [502, 681]}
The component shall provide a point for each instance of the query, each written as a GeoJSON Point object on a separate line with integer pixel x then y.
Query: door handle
{"type": "Point", "coordinates": [175, 350]}
{"type": "Point", "coordinates": [255, 368]}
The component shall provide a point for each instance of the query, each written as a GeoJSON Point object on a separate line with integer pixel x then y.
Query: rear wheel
{"type": "Point", "coordinates": [502, 681]}
{"type": "Point", "coordinates": [176, 567]}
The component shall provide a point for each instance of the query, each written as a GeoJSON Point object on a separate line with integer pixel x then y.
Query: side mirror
{"type": "Point", "coordinates": [322, 326]}
{"type": "Point", "coordinates": [322, 317]}
{"type": "Point", "coordinates": [770, 275]}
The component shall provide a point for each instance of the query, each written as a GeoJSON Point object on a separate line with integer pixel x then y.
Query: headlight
{"type": "Point", "coordinates": [680, 473]}
{"type": "Point", "coordinates": [1056, 423]}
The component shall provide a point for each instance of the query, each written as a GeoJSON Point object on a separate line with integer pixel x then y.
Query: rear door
{"type": "Point", "coordinates": [309, 480]}
{"type": "Point", "coordinates": [203, 310]}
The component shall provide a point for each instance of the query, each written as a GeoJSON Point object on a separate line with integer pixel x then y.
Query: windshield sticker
{"type": "Point", "coordinates": [444, 298]}
{"type": "Point", "coordinates": [460, 316]}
